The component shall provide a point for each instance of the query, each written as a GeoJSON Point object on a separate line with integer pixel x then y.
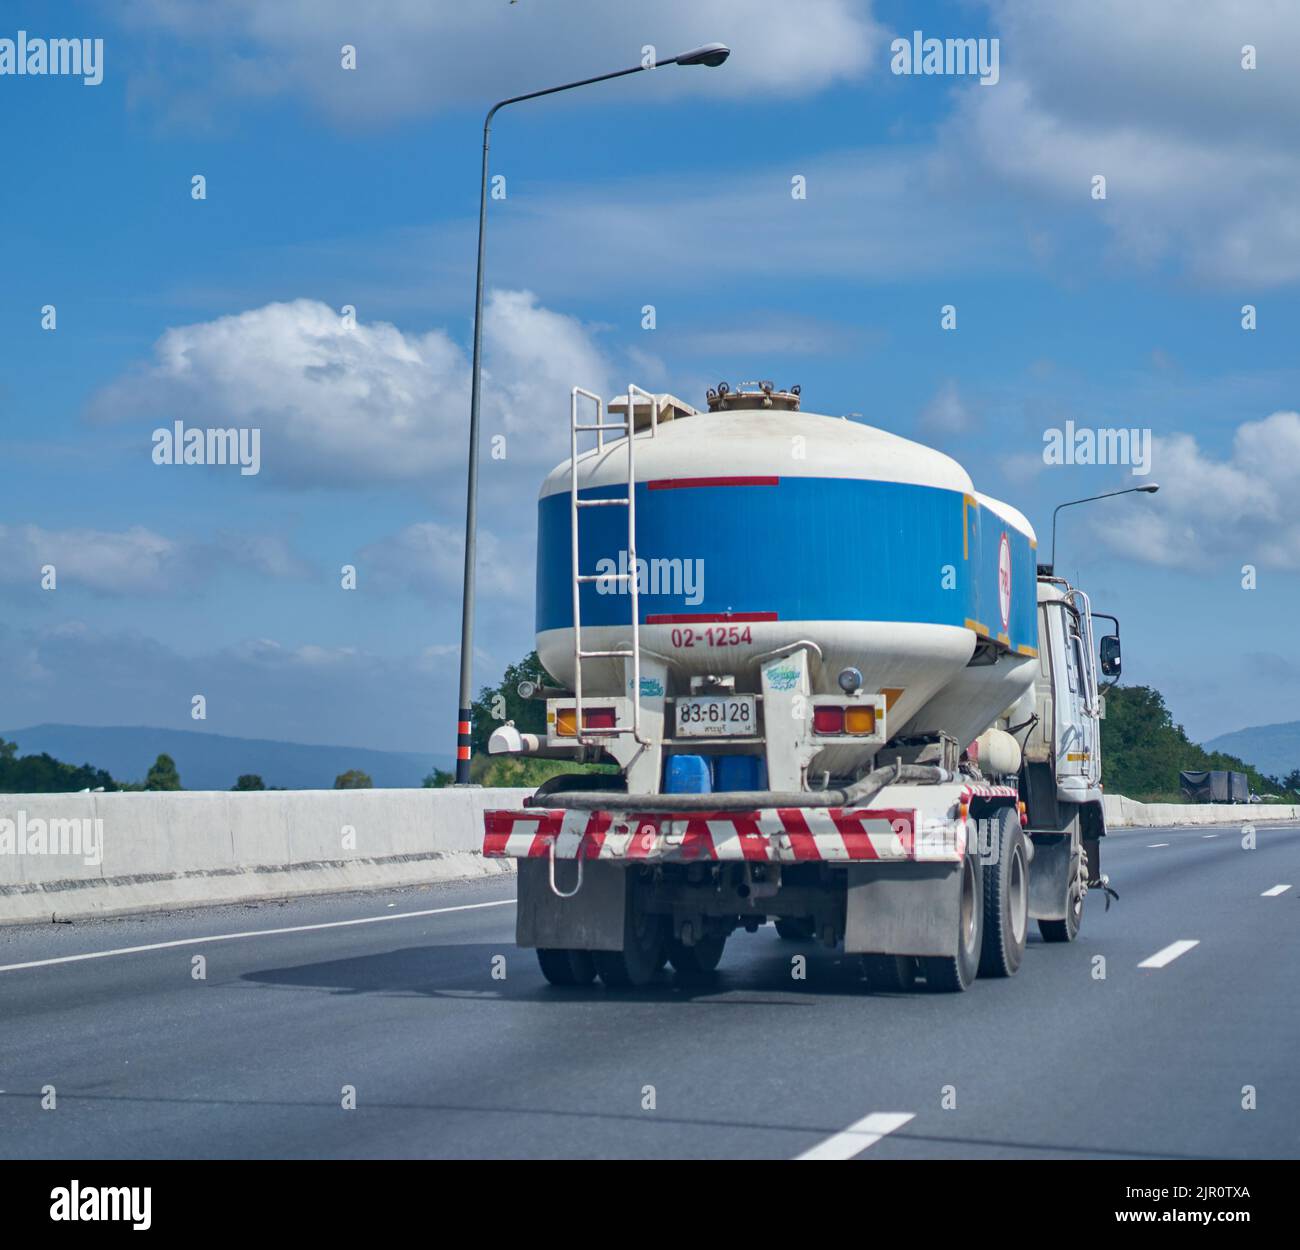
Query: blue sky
{"type": "Point", "coordinates": [328, 187]}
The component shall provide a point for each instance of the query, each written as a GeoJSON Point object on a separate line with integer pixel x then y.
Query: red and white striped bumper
{"type": "Point", "coordinates": [769, 835]}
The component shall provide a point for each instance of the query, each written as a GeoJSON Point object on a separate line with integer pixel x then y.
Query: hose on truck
{"type": "Point", "coordinates": [860, 792]}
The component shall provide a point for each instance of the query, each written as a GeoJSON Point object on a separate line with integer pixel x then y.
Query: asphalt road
{"type": "Point", "coordinates": [393, 994]}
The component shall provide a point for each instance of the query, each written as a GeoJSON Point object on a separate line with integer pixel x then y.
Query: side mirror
{"type": "Point", "coordinates": [1110, 658]}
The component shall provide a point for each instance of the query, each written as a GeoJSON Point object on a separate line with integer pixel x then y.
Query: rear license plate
{"type": "Point", "coordinates": [716, 716]}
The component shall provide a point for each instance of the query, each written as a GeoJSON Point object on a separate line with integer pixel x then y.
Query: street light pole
{"type": "Point", "coordinates": [1149, 489]}
{"type": "Point", "coordinates": [711, 54]}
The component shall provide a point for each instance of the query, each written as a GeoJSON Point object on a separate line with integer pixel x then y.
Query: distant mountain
{"type": "Point", "coordinates": [213, 761]}
{"type": "Point", "coordinates": [1273, 749]}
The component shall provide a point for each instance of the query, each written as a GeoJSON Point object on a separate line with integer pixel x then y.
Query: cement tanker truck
{"type": "Point", "coordinates": [841, 694]}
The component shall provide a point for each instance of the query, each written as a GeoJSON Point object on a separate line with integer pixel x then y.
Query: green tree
{"type": "Point", "coordinates": [438, 778]}
{"type": "Point", "coordinates": [353, 779]}
{"type": "Point", "coordinates": [43, 774]}
{"type": "Point", "coordinates": [249, 781]}
{"type": "Point", "coordinates": [497, 704]}
{"type": "Point", "coordinates": [1143, 750]}
{"type": "Point", "coordinates": [522, 770]}
{"type": "Point", "coordinates": [163, 775]}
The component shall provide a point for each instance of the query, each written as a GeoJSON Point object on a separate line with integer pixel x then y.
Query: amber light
{"type": "Point", "coordinates": [860, 720]}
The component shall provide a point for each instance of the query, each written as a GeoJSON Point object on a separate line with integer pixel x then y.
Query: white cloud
{"type": "Point", "coordinates": [1198, 153]}
{"type": "Point", "coordinates": [84, 673]}
{"type": "Point", "coordinates": [137, 560]}
{"type": "Point", "coordinates": [132, 561]}
{"type": "Point", "coordinates": [340, 405]}
{"type": "Point", "coordinates": [946, 413]}
{"type": "Point", "coordinates": [428, 558]}
{"type": "Point", "coordinates": [1241, 509]}
{"type": "Point", "coordinates": [414, 57]}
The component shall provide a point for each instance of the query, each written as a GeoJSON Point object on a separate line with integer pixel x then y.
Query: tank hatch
{"type": "Point", "coordinates": [761, 395]}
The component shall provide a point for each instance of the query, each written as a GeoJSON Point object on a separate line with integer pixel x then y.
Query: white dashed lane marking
{"type": "Point", "coordinates": [858, 1136]}
{"type": "Point", "coordinates": [1275, 891]}
{"type": "Point", "coordinates": [1151, 846]}
{"type": "Point", "coordinates": [1170, 953]}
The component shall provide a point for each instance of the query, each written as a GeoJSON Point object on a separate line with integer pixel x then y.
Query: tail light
{"type": "Point", "coordinates": [566, 720]}
{"type": "Point", "coordinates": [828, 720]}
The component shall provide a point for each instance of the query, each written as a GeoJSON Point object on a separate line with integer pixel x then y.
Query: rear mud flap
{"type": "Point", "coordinates": [592, 920]}
{"type": "Point", "coordinates": [902, 909]}
{"type": "Point", "coordinates": [1049, 875]}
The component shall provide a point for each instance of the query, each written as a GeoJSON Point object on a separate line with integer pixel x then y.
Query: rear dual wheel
{"type": "Point", "coordinates": [698, 961]}
{"type": "Point", "coordinates": [565, 967]}
{"type": "Point", "coordinates": [645, 950]}
{"type": "Point", "coordinates": [947, 974]}
{"type": "Point", "coordinates": [795, 928]}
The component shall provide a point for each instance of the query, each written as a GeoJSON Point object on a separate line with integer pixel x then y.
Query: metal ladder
{"type": "Point", "coordinates": [628, 501]}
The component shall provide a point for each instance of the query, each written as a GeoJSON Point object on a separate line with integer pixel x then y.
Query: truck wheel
{"type": "Point", "coordinates": [643, 953]}
{"type": "Point", "coordinates": [696, 961]}
{"type": "Point", "coordinates": [1006, 898]}
{"type": "Point", "coordinates": [795, 929]}
{"type": "Point", "coordinates": [886, 973]}
{"type": "Point", "coordinates": [945, 974]}
{"type": "Point", "coordinates": [1068, 929]}
{"type": "Point", "coordinates": [564, 967]}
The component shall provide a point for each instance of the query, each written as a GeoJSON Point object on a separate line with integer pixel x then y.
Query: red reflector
{"type": "Point", "coordinates": [828, 720]}
{"type": "Point", "coordinates": [598, 718]}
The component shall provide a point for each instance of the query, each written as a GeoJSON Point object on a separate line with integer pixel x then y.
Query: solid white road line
{"type": "Point", "coordinates": [857, 1137]}
{"type": "Point", "coordinates": [252, 933]}
{"type": "Point", "coordinates": [1170, 953]}
{"type": "Point", "coordinates": [1275, 891]}
{"type": "Point", "coordinates": [1151, 846]}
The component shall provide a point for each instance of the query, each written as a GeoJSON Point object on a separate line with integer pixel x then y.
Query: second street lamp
{"type": "Point", "coordinates": [710, 54]}
{"type": "Point", "coordinates": [1149, 489]}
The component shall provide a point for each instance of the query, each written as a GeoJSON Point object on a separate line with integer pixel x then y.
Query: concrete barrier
{"type": "Point", "coordinates": [68, 856]}
{"type": "Point", "coordinates": [1122, 813]}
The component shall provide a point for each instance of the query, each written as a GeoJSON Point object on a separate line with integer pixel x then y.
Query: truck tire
{"type": "Point", "coordinates": [889, 973]}
{"type": "Point", "coordinates": [1006, 898]}
{"type": "Point", "coordinates": [1068, 929]}
{"type": "Point", "coordinates": [795, 929]}
{"type": "Point", "coordinates": [950, 974]}
{"type": "Point", "coordinates": [698, 961]}
{"type": "Point", "coordinates": [644, 950]}
{"type": "Point", "coordinates": [565, 967]}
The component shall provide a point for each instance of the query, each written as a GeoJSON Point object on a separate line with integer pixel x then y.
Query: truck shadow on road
{"type": "Point", "coordinates": [758, 970]}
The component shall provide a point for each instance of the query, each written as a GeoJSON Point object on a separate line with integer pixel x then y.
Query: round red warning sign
{"type": "Point", "coordinates": [1004, 581]}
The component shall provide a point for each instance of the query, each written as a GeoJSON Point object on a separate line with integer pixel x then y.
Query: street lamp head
{"type": "Point", "coordinates": [1150, 488]}
{"type": "Point", "coordinates": [711, 54]}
